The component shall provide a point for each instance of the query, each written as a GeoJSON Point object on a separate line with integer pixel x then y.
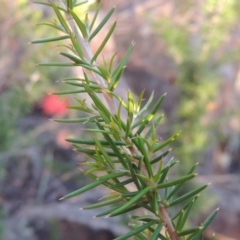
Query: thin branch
{"type": "Point", "coordinates": [168, 223]}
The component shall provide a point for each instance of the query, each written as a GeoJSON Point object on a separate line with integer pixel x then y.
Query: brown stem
{"type": "Point", "coordinates": [168, 223]}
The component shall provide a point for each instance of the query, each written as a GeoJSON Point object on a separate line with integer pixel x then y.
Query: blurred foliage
{"type": "Point", "coordinates": [22, 87]}
{"type": "Point", "coordinates": [196, 35]}
{"type": "Point", "coordinates": [11, 106]}
{"type": "Point", "coordinates": [20, 90]}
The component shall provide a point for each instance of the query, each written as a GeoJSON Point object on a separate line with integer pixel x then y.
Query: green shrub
{"type": "Point", "coordinates": [121, 152]}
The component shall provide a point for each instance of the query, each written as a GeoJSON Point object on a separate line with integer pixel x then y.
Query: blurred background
{"type": "Point", "coordinates": [189, 49]}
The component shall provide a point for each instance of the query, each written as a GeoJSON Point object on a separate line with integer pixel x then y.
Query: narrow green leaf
{"type": "Point", "coordinates": [146, 159]}
{"type": "Point", "coordinates": [111, 61]}
{"type": "Point", "coordinates": [180, 185]}
{"type": "Point", "coordinates": [187, 195]}
{"type": "Point", "coordinates": [178, 225]}
{"type": "Point", "coordinates": [205, 224]}
{"type": "Point", "coordinates": [189, 231]}
{"type": "Point", "coordinates": [140, 236]}
{"type": "Point", "coordinates": [100, 26]}
{"type": "Point", "coordinates": [159, 234]}
{"type": "Point", "coordinates": [91, 152]}
{"type": "Point", "coordinates": [53, 25]}
{"type": "Point", "coordinates": [146, 106]}
{"type": "Point", "coordinates": [115, 80]}
{"type": "Point", "coordinates": [77, 120]}
{"type": "Point", "coordinates": [118, 118]}
{"type": "Point", "coordinates": [144, 121]}
{"type": "Point", "coordinates": [104, 203]}
{"type": "Point", "coordinates": [123, 63]}
{"type": "Point", "coordinates": [159, 158]}
{"type": "Point", "coordinates": [171, 163]}
{"type": "Point", "coordinates": [135, 231]}
{"type": "Point", "coordinates": [86, 21]}
{"type": "Point", "coordinates": [163, 174]}
{"type": "Point", "coordinates": [155, 203]}
{"type": "Point", "coordinates": [52, 39]}
{"type": "Point", "coordinates": [93, 142]}
{"type": "Point", "coordinates": [69, 92]}
{"type": "Point", "coordinates": [130, 114]}
{"type": "Point", "coordinates": [159, 172]}
{"type": "Point", "coordinates": [84, 189]}
{"type": "Point", "coordinates": [80, 24]}
{"type": "Point", "coordinates": [133, 173]}
{"type": "Point", "coordinates": [70, 47]}
{"type": "Point", "coordinates": [82, 108]}
{"type": "Point", "coordinates": [88, 67]}
{"type": "Point", "coordinates": [154, 138]}
{"type": "Point", "coordinates": [102, 109]}
{"type": "Point", "coordinates": [144, 182]}
{"type": "Point", "coordinates": [95, 130]}
{"type": "Point", "coordinates": [130, 180]}
{"type": "Point", "coordinates": [185, 207]}
{"type": "Point", "coordinates": [77, 46]}
{"type": "Point", "coordinates": [143, 177]}
{"type": "Point", "coordinates": [106, 183]}
{"type": "Point", "coordinates": [108, 211]}
{"type": "Point", "coordinates": [60, 17]}
{"type": "Point", "coordinates": [129, 194]}
{"type": "Point", "coordinates": [77, 84]}
{"type": "Point", "coordinates": [114, 175]}
{"type": "Point", "coordinates": [48, 4]}
{"type": "Point", "coordinates": [131, 136]}
{"type": "Point", "coordinates": [104, 153]}
{"type": "Point", "coordinates": [156, 232]}
{"type": "Point", "coordinates": [104, 213]}
{"type": "Point", "coordinates": [186, 214]}
{"type": "Point", "coordinates": [154, 126]}
{"type": "Point", "coordinates": [73, 79]}
{"type": "Point", "coordinates": [131, 201]}
{"type": "Point", "coordinates": [105, 40]}
{"type": "Point", "coordinates": [139, 102]}
{"type": "Point", "coordinates": [95, 17]}
{"type": "Point", "coordinates": [171, 139]}
{"type": "Point", "coordinates": [69, 4]}
{"type": "Point", "coordinates": [113, 146]}
{"type": "Point", "coordinates": [166, 190]}
{"type": "Point", "coordinates": [73, 58]}
{"type": "Point", "coordinates": [177, 181]}
{"type": "Point", "coordinates": [104, 73]}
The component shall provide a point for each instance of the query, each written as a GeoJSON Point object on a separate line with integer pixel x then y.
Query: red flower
{"type": "Point", "coordinates": [54, 105]}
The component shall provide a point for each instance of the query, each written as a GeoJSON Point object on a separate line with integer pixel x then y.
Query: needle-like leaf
{"type": "Point", "coordinates": [79, 23]}
{"type": "Point", "coordinates": [104, 42]}
{"type": "Point", "coordinates": [144, 121]}
{"type": "Point", "coordinates": [105, 203]}
{"type": "Point", "coordinates": [135, 231]}
{"type": "Point", "coordinates": [177, 181]}
{"type": "Point", "coordinates": [100, 26]}
{"type": "Point", "coordinates": [187, 195]}
{"type": "Point", "coordinates": [132, 201]}
{"type": "Point", "coordinates": [52, 39]}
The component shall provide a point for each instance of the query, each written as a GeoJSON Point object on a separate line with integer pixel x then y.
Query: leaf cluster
{"type": "Point", "coordinates": [122, 152]}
